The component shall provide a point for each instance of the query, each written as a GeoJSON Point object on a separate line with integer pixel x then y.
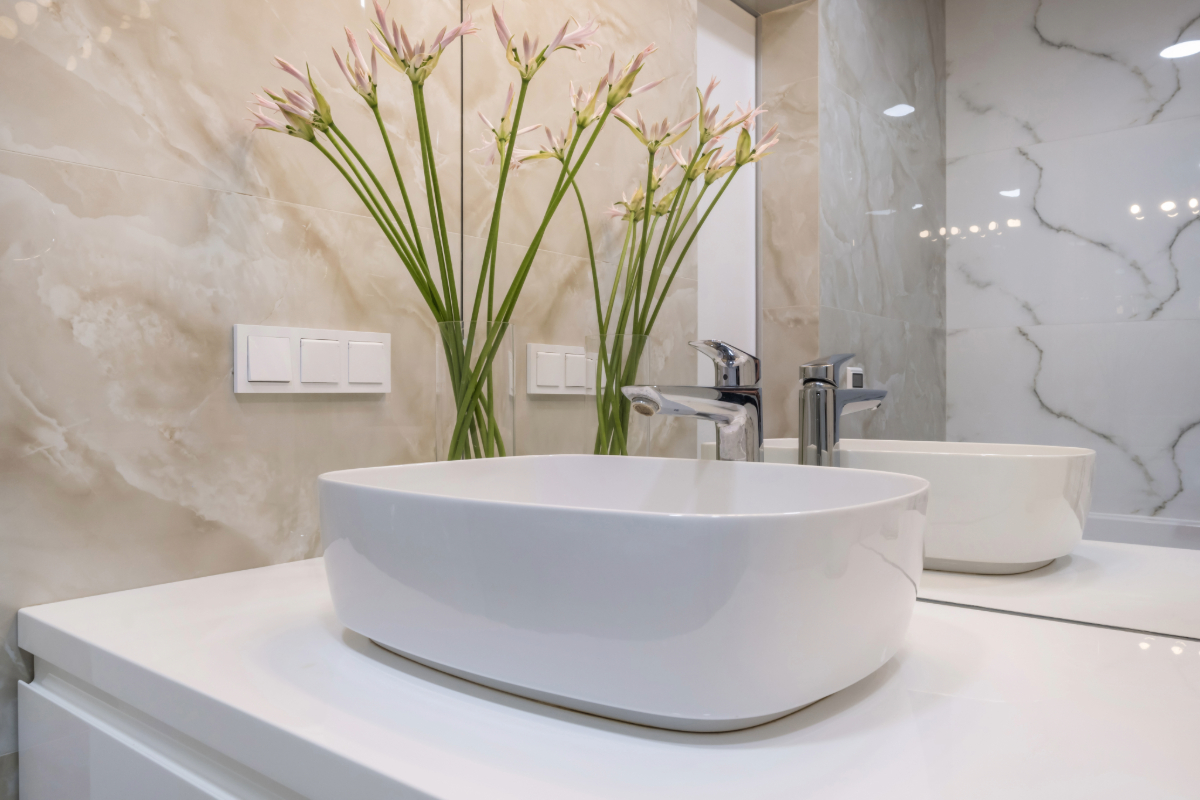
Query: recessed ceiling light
{"type": "Point", "coordinates": [902, 110]}
{"type": "Point", "coordinates": [1181, 50]}
{"type": "Point", "coordinates": [1011, 192]}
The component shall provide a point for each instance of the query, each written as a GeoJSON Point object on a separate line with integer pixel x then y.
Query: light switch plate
{"type": "Point", "coordinates": [554, 369]}
{"type": "Point", "coordinates": [307, 365]}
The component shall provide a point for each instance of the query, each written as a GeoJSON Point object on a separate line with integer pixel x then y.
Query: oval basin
{"type": "Point", "coordinates": [683, 594]}
{"type": "Point", "coordinates": [993, 508]}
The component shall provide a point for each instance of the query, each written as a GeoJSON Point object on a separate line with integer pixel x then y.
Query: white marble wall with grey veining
{"type": "Point", "coordinates": [1073, 267]}
{"type": "Point", "coordinates": [882, 201]}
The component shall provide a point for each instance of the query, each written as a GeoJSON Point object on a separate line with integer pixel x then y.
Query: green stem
{"type": "Point", "coordinates": [491, 344]}
{"type": "Point", "coordinates": [412, 218]}
{"type": "Point", "coordinates": [416, 276]}
{"type": "Point", "coordinates": [687, 245]}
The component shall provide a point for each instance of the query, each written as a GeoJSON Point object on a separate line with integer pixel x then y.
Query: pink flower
{"type": "Point", "coordinates": [621, 82]}
{"type": "Point", "coordinates": [415, 60]}
{"type": "Point", "coordinates": [529, 57]}
{"type": "Point", "coordinates": [500, 134]}
{"type": "Point", "coordinates": [355, 69]}
{"type": "Point", "coordinates": [656, 135]}
{"type": "Point", "coordinates": [710, 126]}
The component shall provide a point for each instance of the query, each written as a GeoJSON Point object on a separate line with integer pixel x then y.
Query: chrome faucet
{"type": "Point", "coordinates": [822, 404]}
{"type": "Point", "coordinates": [734, 404]}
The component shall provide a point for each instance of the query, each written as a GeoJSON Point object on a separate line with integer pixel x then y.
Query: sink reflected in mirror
{"type": "Point", "coordinates": [993, 508]}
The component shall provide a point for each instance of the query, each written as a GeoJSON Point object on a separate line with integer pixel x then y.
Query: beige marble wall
{"type": "Point", "coordinates": [140, 219]}
{"type": "Point", "coordinates": [790, 213]}
{"type": "Point", "coordinates": [844, 201]}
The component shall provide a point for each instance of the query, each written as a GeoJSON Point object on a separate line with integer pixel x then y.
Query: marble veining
{"type": "Point", "coordinates": [1074, 248]}
{"type": "Point", "coordinates": [1095, 64]}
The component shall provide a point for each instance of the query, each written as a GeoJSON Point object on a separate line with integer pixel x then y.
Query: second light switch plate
{"type": "Point", "coordinates": [554, 369]}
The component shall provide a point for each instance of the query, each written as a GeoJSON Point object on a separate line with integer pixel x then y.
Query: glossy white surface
{"type": "Point", "coordinates": [695, 595]}
{"type": "Point", "coordinates": [997, 508]}
{"type": "Point", "coordinates": [1069, 103]}
{"type": "Point", "coordinates": [1154, 589]}
{"type": "Point", "coordinates": [255, 666]}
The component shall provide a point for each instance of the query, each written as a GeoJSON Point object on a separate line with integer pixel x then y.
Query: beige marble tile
{"type": "Point", "coordinates": [125, 458]}
{"type": "Point", "coordinates": [142, 219]}
{"type": "Point", "coordinates": [789, 340]}
{"type": "Point", "coordinates": [160, 89]}
{"type": "Point", "coordinates": [788, 179]}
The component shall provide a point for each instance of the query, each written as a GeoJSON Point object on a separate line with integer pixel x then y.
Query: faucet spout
{"type": "Point", "coordinates": [736, 410]}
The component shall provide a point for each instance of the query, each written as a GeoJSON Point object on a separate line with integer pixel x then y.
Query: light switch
{"type": "Point", "coordinates": [576, 369]}
{"type": "Point", "coordinates": [319, 362]}
{"type": "Point", "coordinates": [549, 369]}
{"type": "Point", "coordinates": [367, 362]}
{"type": "Point", "coordinates": [269, 358]}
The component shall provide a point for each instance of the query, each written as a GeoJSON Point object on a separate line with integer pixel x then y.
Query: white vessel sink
{"type": "Point", "coordinates": [683, 594]}
{"type": "Point", "coordinates": [993, 508]}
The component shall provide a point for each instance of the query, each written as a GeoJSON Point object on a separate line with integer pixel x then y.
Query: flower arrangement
{"type": "Point", "coordinates": [472, 331]}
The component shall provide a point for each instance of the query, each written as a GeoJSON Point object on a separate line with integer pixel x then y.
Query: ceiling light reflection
{"type": "Point", "coordinates": [1135, 209]}
{"type": "Point", "coordinates": [924, 234]}
{"type": "Point", "coordinates": [1168, 206]}
{"type": "Point", "coordinates": [954, 231]}
{"type": "Point", "coordinates": [901, 110]}
{"type": "Point", "coordinates": [1011, 192]}
{"type": "Point", "coordinates": [1182, 50]}
{"type": "Point", "coordinates": [974, 229]}
{"type": "Point", "coordinates": [992, 226]}
{"type": "Point", "coordinates": [1014, 223]}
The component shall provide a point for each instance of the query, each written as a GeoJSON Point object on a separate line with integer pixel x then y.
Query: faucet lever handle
{"type": "Point", "coordinates": [824, 368]}
{"type": "Point", "coordinates": [734, 367]}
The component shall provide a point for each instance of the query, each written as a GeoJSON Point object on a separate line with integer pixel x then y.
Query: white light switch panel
{"type": "Point", "coordinates": [269, 359]}
{"type": "Point", "coordinates": [554, 369]}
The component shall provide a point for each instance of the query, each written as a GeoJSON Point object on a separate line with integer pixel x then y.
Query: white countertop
{"type": "Point", "coordinates": [976, 704]}
{"type": "Point", "coordinates": [1154, 589]}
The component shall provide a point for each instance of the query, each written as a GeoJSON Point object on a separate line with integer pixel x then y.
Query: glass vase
{"type": "Point", "coordinates": [475, 390]}
{"type": "Point", "coordinates": [615, 361]}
